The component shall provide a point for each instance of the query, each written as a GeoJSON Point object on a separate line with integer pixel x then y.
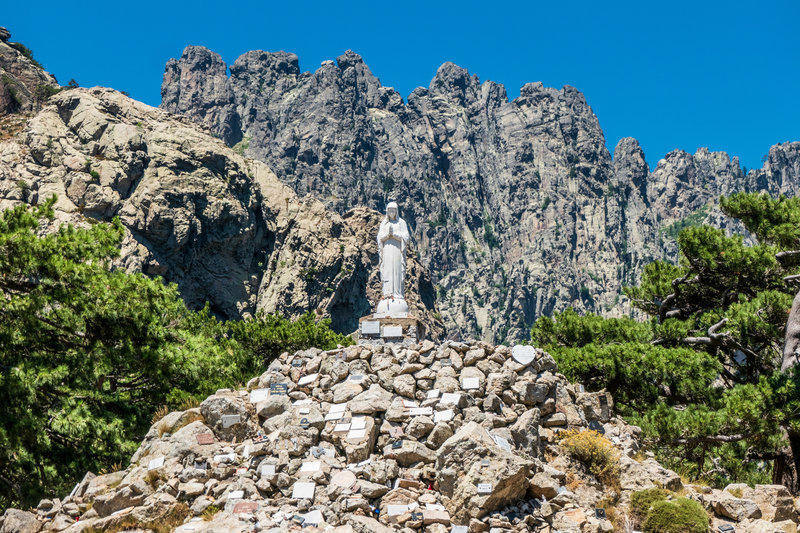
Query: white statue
{"type": "Point", "coordinates": [392, 241]}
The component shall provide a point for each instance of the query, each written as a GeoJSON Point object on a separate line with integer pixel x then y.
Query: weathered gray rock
{"type": "Point", "coordinates": [16, 521]}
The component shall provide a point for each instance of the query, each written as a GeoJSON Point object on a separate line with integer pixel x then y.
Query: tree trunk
{"type": "Point", "coordinates": [787, 464]}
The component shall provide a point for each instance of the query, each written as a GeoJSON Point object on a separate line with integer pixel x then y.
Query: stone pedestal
{"type": "Point", "coordinates": [379, 330]}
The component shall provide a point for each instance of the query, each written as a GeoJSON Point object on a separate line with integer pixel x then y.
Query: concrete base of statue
{"type": "Point", "coordinates": [392, 307]}
{"type": "Point", "coordinates": [381, 330]}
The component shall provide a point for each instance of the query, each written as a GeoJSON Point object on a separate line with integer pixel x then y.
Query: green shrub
{"type": "Point", "coordinates": [680, 516]}
{"type": "Point", "coordinates": [643, 500]}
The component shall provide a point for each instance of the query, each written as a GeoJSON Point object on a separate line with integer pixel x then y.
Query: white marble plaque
{"type": "Point", "coordinates": [307, 380]}
{"type": "Point", "coordinates": [307, 401]}
{"type": "Point", "coordinates": [459, 529]}
{"type": "Point", "coordinates": [443, 416]}
{"type": "Point", "coordinates": [312, 518]}
{"type": "Point", "coordinates": [342, 428]}
{"type": "Point", "coordinates": [433, 394]}
{"type": "Point", "coordinates": [523, 355]}
{"type": "Point", "coordinates": [394, 510]}
{"type": "Point", "coordinates": [334, 416]}
{"type": "Point", "coordinates": [230, 420]}
{"type": "Point", "coordinates": [267, 470]}
{"type": "Point", "coordinates": [410, 404]}
{"type": "Point", "coordinates": [311, 466]}
{"type": "Point", "coordinates": [358, 422]}
{"type": "Point", "coordinates": [421, 411]}
{"type": "Point", "coordinates": [470, 383]}
{"type": "Point", "coordinates": [370, 327]}
{"type": "Point", "coordinates": [356, 378]}
{"type": "Point", "coordinates": [450, 398]}
{"type": "Point", "coordinates": [304, 410]}
{"type": "Point", "coordinates": [258, 395]}
{"type": "Point", "coordinates": [338, 408]}
{"type": "Point", "coordinates": [502, 443]}
{"type": "Point", "coordinates": [392, 332]}
{"type": "Point", "coordinates": [356, 434]}
{"type": "Point", "coordinates": [236, 495]}
{"type": "Point", "coordinates": [158, 462]}
{"type": "Point", "coordinates": [434, 507]}
{"type": "Point", "coordinates": [484, 488]}
{"type": "Point", "coordinates": [303, 491]}
{"type": "Point", "coordinates": [246, 452]}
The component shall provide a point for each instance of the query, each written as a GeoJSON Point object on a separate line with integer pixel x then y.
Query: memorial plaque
{"type": "Point", "coordinates": [230, 420]}
{"type": "Point", "coordinates": [236, 495]}
{"type": "Point", "coordinates": [344, 427]}
{"type": "Point", "coordinates": [416, 516]}
{"type": "Point", "coordinates": [357, 378]}
{"type": "Point", "coordinates": [338, 408]}
{"type": "Point", "coordinates": [258, 395]}
{"type": "Point", "coordinates": [306, 401]}
{"type": "Point", "coordinates": [205, 438]}
{"type": "Point", "coordinates": [334, 416]}
{"type": "Point", "coordinates": [279, 388]}
{"type": "Point", "coordinates": [421, 411]}
{"type": "Point", "coordinates": [370, 327]}
{"type": "Point", "coordinates": [443, 416]}
{"type": "Point", "coordinates": [447, 362]}
{"type": "Point", "coordinates": [392, 332]}
{"type": "Point", "coordinates": [394, 510]}
{"type": "Point", "coordinates": [603, 401]}
{"type": "Point", "coordinates": [297, 362]}
{"type": "Point", "coordinates": [355, 434]}
{"type": "Point", "coordinates": [245, 507]}
{"type": "Point", "coordinates": [267, 470]}
{"type": "Point", "coordinates": [200, 465]}
{"type": "Point", "coordinates": [470, 383]}
{"type": "Point", "coordinates": [597, 426]}
{"type": "Point", "coordinates": [303, 491]}
{"type": "Point", "coordinates": [484, 488]}
{"type": "Point", "coordinates": [304, 410]}
{"type": "Point", "coordinates": [484, 462]}
{"type": "Point", "coordinates": [434, 507]}
{"type": "Point", "coordinates": [304, 423]}
{"type": "Point", "coordinates": [297, 519]}
{"type": "Point", "coordinates": [396, 445]}
{"type": "Point", "coordinates": [726, 528]}
{"type": "Point", "coordinates": [459, 529]}
{"type": "Point", "coordinates": [523, 355]}
{"type": "Point", "coordinates": [600, 513]}
{"type": "Point", "coordinates": [410, 404]}
{"type": "Point", "coordinates": [358, 422]}
{"type": "Point", "coordinates": [450, 398]}
{"type": "Point", "coordinates": [307, 380]}
{"type": "Point", "coordinates": [312, 518]}
{"type": "Point", "coordinates": [158, 462]}
{"type": "Point", "coordinates": [502, 443]}
{"type": "Point", "coordinates": [225, 458]}
{"type": "Point", "coordinates": [241, 471]}
{"type": "Point", "coordinates": [311, 466]}
{"type": "Point", "coordinates": [432, 394]}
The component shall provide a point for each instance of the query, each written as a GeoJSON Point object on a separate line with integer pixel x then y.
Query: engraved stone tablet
{"type": "Point", "coordinates": [484, 488]}
{"type": "Point", "coordinates": [355, 434]}
{"type": "Point", "coordinates": [230, 420]}
{"type": "Point", "coordinates": [370, 327]}
{"type": "Point", "coordinates": [279, 388]}
{"type": "Point", "coordinates": [421, 411]}
{"type": "Point", "coordinates": [459, 529]}
{"type": "Point", "coordinates": [338, 408]}
{"type": "Point", "coordinates": [304, 410]}
{"type": "Point", "coordinates": [205, 438]}
{"type": "Point", "coordinates": [484, 462]}
{"type": "Point", "coordinates": [344, 479]}
{"type": "Point", "coordinates": [297, 362]}
{"type": "Point", "coordinates": [409, 404]}
{"type": "Point", "coordinates": [310, 466]}
{"type": "Point", "coordinates": [307, 380]}
{"type": "Point", "coordinates": [443, 416]}
{"type": "Point", "coordinates": [603, 400]}
{"type": "Point", "coordinates": [392, 332]}
{"type": "Point", "coordinates": [523, 355]}
{"type": "Point", "coordinates": [394, 510]}
{"type": "Point", "coordinates": [416, 516]}
{"type": "Point", "coordinates": [236, 495]}
{"type": "Point", "coordinates": [342, 428]}
{"type": "Point", "coordinates": [312, 518]}
{"type": "Point", "coordinates": [303, 491]}
{"type": "Point", "coordinates": [267, 470]}
{"type": "Point", "coordinates": [334, 416]}
{"type": "Point", "coordinates": [245, 507]}
{"type": "Point", "coordinates": [470, 383]}
{"type": "Point", "coordinates": [258, 395]}
{"type": "Point", "coordinates": [432, 394]}
{"type": "Point", "coordinates": [450, 398]}
{"type": "Point", "coordinates": [158, 462]}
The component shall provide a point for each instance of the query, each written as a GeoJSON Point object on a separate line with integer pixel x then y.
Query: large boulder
{"type": "Point", "coordinates": [16, 521]}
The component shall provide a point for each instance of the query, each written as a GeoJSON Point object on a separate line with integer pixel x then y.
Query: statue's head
{"type": "Point", "coordinates": [391, 211]}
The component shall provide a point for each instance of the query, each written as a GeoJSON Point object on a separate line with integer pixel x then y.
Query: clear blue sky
{"type": "Point", "coordinates": [677, 74]}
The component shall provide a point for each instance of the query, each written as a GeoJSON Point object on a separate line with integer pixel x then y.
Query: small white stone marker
{"type": "Point", "coordinates": [470, 383]}
{"type": "Point", "coordinates": [303, 491]}
{"type": "Point", "coordinates": [410, 404]}
{"type": "Point", "coordinates": [158, 462]}
{"type": "Point", "coordinates": [459, 529]}
{"type": "Point", "coordinates": [356, 378]}
{"type": "Point", "coordinates": [523, 355]}
{"type": "Point", "coordinates": [392, 332]}
{"type": "Point", "coordinates": [225, 458]}
{"type": "Point", "coordinates": [434, 507]}
{"type": "Point", "coordinates": [312, 518]}
{"type": "Point", "coordinates": [394, 510]}
{"type": "Point", "coordinates": [230, 420]}
{"type": "Point", "coordinates": [421, 411]}
{"type": "Point", "coordinates": [443, 416]}
{"type": "Point", "coordinates": [450, 398]}
{"type": "Point", "coordinates": [258, 395]}
{"type": "Point", "coordinates": [307, 401]}
{"type": "Point", "coordinates": [503, 443]}
{"type": "Point", "coordinates": [311, 466]}
{"type": "Point", "coordinates": [246, 452]}
{"type": "Point", "coordinates": [434, 393]}
{"type": "Point", "coordinates": [334, 416]}
{"type": "Point", "coordinates": [307, 380]}
{"type": "Point", "coordinates": [267, 470]}
{"type": "Point", "coordinates": [484, 488]}
{"type": "Point", "coordinates": [342, 428]}
{"type": "Point", "coordinates": [304, 410]}
{"type": "Point", "coordinates": [370, 327]}
{"type": "Point", "coordinates": [356, 434]}
{"type": "Point", "coordinates": [236, 495]}
{"type": "Point", "coordinates": [358, 422]}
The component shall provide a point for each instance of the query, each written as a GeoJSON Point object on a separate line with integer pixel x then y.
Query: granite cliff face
{"type": "Point", "coordinates": [222, 227]}
{"type": "Point", "coordinates": [23, 83]}
{"type": "Point", "coordinates": [516, 206]}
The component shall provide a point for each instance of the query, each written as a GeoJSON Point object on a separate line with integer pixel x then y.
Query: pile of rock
{"type": "Point", "coordinates": [436, 438]}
